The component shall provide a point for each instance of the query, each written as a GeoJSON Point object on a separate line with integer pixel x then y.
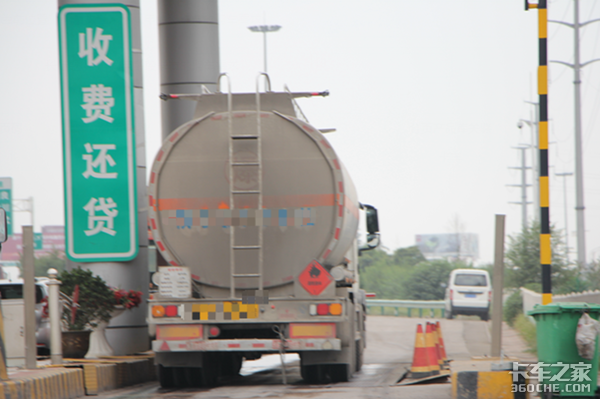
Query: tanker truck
{"type": "Point", "coordinates": [256, 219]}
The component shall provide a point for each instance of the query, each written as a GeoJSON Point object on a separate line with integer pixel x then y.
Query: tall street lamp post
{"type": "Point", "coordinates": [265, 29]}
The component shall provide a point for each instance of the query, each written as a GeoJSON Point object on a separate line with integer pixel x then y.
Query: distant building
{"type": "Point", "coordinates": [53, 239]}
{"type": "Point", "coordinates": [463, 246]}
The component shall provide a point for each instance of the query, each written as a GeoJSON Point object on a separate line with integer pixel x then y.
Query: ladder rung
{"type": "Point", "coordinates": [245, 163]}
{"type": "Point", "coordinates": [245, 192]}
{"type": "Point", "coordinates": [246, 247]}
{"type": "Point", "coordinates": [244, 137]}
{"type": "Point", "coordinates": [246, 275]}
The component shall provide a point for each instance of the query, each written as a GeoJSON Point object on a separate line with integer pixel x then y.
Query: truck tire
{"type": "Point", "coordinates": [211, 367]}
{"type": "Point", "coordinates": [165, 376]}
{"type": "Point", "coordinates": [311, 374]}
{"type": "Point", "coordinates": [193, 377]}
{"type": "Point", "coordinates": [340, 372]}
{"type": "Point", "coordinates": [231, 364]}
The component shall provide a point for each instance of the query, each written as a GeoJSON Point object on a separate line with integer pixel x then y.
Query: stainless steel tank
{"type": "Point", "coordinates": [309, 204]}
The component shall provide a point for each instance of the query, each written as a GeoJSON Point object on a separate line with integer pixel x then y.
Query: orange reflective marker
{"type": "Point", "coordinates": [158, 311]}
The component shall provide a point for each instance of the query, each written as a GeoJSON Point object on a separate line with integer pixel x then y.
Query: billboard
{"type": "Point", "coordinates": [464, 245]}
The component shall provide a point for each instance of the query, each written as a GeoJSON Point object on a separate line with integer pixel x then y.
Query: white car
{"type": "Point", "coordinates": [13, 290]}
{"type": "Point", "coordinates": [469, 292]}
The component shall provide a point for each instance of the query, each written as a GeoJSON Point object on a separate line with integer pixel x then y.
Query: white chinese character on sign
{"type": "Point", "coordinates": [98, 102]}
{"type": "Point", "coordinates": [88, 42]}
{"type": "Point", "coordinates": [101, 224]}
{"type": "Point", "coordinates": [102, 159]}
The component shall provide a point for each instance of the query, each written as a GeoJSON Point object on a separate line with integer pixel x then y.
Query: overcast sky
{"type": "Point", "coordinates": [425, 97]}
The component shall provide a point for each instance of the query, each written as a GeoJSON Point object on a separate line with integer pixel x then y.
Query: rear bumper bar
{"type": "Point", "coordinates": [247, 345]}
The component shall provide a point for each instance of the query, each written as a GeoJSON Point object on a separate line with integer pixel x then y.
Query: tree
{"type": "Point", "coordinates": [425, 280]}
{"type": "Point", "coordinates": [523, 260]}
{"type": "Point", "coordinates": [53, 260]}
{"type": "Point", "coordinates": [384, 280]}
{"type": "Point", "coordinates": [409, 256]}
{"type": "Point", "coordinates": [371, 258]}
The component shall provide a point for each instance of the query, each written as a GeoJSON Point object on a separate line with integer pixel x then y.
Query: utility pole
{"type": "Point", "coordinates": [265, 29]}
{"type": "Point", "coordinates": [564, 176]}
{"type": "Point", "coordinates": [576, 66]}
{"type": "Point", "coordinates": [523, 168]}
{"type": "Point", "coordinates": [533, 124]}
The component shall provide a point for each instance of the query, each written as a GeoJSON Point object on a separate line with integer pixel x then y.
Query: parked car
{"type": "Point", "coordinates": [13, 289]}
{"type": "Point", "coordinates": [469, 292]}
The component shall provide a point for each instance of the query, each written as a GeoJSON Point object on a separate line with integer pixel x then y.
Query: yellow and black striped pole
{"type": "Point", "coordinates": [545, 247]}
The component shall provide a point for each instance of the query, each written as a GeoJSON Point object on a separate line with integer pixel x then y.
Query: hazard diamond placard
{"type": "Point", "coordinates": [315, 278]}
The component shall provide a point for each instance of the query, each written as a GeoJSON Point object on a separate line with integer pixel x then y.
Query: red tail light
{"type": "Point", "coordinates": [322, 309]}
{"type": "Point", "coordinates": [171, 311]}
{"type": "Point", "coordinates": [451, 294]}
{"type": "Point", "coordinates": [490, 296]}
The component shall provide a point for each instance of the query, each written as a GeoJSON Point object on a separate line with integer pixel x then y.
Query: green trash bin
{"type": "Point", "coordinates": [566, 373]}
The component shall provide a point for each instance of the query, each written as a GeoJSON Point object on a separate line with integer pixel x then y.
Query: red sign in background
{"type": "Point", "coordinates": [315, 278]}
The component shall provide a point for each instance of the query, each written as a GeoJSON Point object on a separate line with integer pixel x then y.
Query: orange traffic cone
{"type": "Point", "coordinates": [420, 367]}
{"type": "Point", "coordinates": [436, 341]}
{"type": "Point", "coordinates": [442, 347]}
{"type": "Point", "coordinates": [431, 352]}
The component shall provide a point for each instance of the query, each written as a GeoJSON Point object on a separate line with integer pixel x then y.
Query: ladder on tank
{"type": "Point", "coordinates": [233, 192]}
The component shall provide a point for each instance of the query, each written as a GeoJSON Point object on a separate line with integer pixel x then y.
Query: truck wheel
{"type": "Point", "coordinates": [193, 376]}
{"type": "Point", "coordinates": [340, 372]}
{"type": "Point", "coordinates": [211, 366]}
{"type": "Point", "coordinates": [310, 374]}
{"type": "Point", "coordinates": [359, 355]}
{"type": "Point", "coordinates": [485, 316]}
{"type": "Point", "coordinates": [165, 376]}
{"type": "Point", "coordinates": [231, 364]}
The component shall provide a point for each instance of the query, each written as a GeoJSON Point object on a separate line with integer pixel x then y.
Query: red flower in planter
{"type": "Point", "coordinates": [129, 299]}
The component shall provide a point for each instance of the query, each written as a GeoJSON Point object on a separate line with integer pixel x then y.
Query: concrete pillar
{"type": "Point", "coordinates": [188, 32]}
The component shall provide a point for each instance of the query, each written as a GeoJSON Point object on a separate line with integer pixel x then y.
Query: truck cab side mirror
{"type": "Point", "coordinates": [372, 228]}
{"type": "Point", "coordinates": [3, 227]}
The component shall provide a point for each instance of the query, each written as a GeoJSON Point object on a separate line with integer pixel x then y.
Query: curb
{"type": "Point", "coordinates": [104, 375]}
{"type": "Point", "coordinates": [57, 384]}
{"type": "Point", "coordinates": [484, 385]}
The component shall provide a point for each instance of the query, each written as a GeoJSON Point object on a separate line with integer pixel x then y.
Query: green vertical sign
{"type": "Point", "coordinates": [98, 132]}
{"type": "Point", "coordinates": [6, 202]}
{"type": "Point", "coordinates": [38, 241]}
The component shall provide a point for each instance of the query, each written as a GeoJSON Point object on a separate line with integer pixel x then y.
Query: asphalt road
{"type": "Point", "coordinates": [389, 352]}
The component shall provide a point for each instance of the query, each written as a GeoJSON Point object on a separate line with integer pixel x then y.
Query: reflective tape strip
{"type": "Point", "coordinates": [269, 202]}
{"type": "Point", "coordinates": [241, 345]}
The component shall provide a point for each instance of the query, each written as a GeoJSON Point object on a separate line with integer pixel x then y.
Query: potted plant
{"type": "Point", "coordinates": [90, 302]}
{"type": "Point", "coordinates": [122, 300]}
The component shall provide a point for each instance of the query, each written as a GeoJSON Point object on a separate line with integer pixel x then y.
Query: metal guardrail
{"type": "Point", "coordinates": [403, 304]}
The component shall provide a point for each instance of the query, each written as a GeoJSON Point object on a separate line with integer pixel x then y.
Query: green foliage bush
{"type": "Point", "coordinates": [405, 274]}
{"type": "Point", "coordinates": [425, 281]}
{"type": "Point", "coordinates": [527, 329]}
{"type": "Point", "coordinates": [513, 306]}
{"type": "Point", "coordinates": [54, 259]}
{"type": "Point", "coordinates": [96, 299]}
